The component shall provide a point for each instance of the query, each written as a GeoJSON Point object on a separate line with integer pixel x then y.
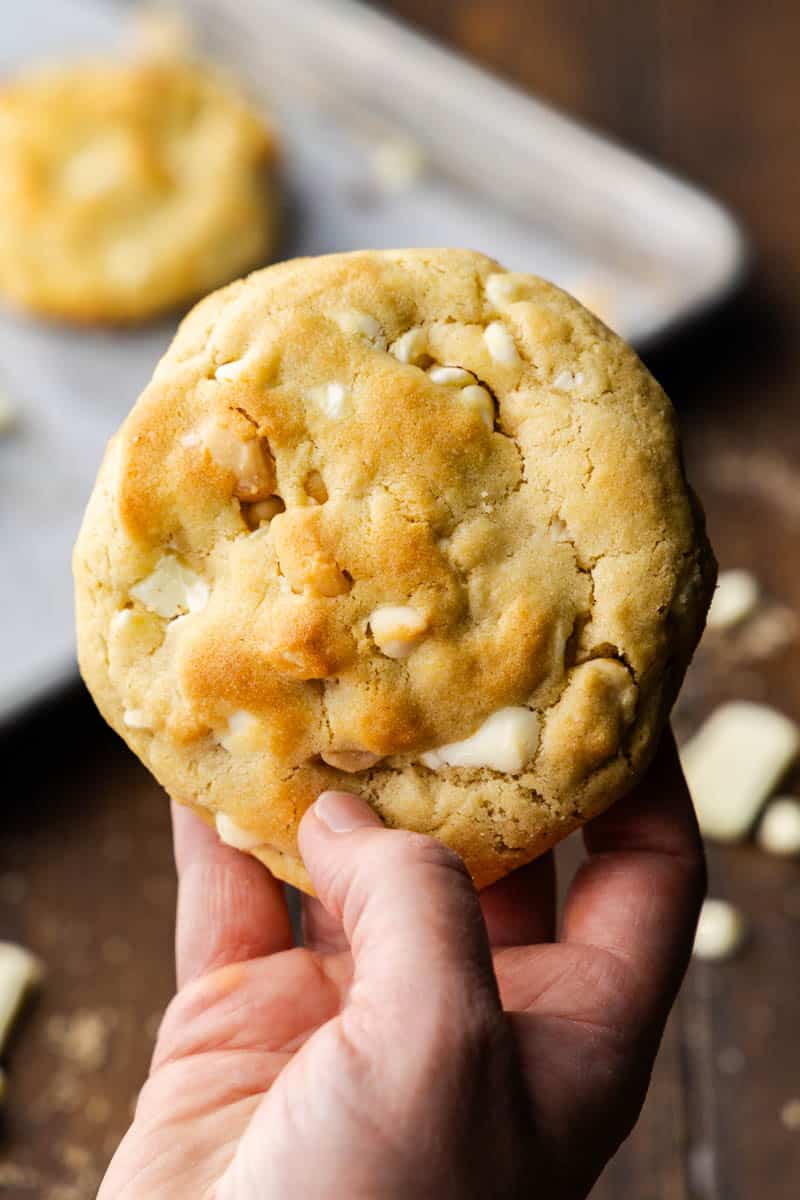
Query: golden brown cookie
{"type": "Point", "coordinates": [401, 523]}
{"type": "Point", "coordinates": [129, 189]}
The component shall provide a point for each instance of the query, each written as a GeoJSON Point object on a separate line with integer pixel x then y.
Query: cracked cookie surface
{"type": "Point", "coordinates": [128, 189]}
{"type": "Point", "coordinates": [403, 523]}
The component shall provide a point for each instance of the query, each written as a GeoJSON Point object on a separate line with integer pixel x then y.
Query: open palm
{"type": "Point", "coordinates": [395, 1055]}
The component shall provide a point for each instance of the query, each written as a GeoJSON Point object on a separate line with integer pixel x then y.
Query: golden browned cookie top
{"type": "Point", "coordinates": [128, 188]}
{"type": "Point", "coordinates": [400, 522]}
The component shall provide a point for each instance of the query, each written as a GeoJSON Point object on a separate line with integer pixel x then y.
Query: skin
{"type": "Point", "coordinates": [426, 1042]}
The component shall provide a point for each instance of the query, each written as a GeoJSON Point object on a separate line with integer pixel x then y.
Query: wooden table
{"type": "Point", "coordinates": [85, 863]}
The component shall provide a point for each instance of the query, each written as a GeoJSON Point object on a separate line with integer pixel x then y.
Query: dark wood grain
{"type": "Point", "coordinates": [85, 862]}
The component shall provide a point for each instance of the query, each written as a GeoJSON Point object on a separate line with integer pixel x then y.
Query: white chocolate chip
{"type": "Point", "coordinates": [350, 320]}
{"type": "Point", "coordinates": [351, 761]}
{"type": "Point", "coordinates": [245, 733]}
{"type": "Point", "coordinates": [565, 381]}
{"type": "Point", "coordinates": [121, 620]}
{"type": "Point", "coordinates": [506, 742]}
{"type": "Point", "coordinates": [229, 372]}
{"type": "Point", "coordinates": [20, 972]}
{"type": "Point", "coordinates": [171, 589]}
{"type": "Point", "coordinates": [234, 835]}
{"type": "Point", "coordinates": [191, 439]}
{"type": "Point", "coordinates": [397, 629]}
{"type": "Point", "coordinates": [720, 932]}
{"type": "Point", "coordinates": [479, 399]}
{"type": "Point", "coordinates": [451, 376]}
{"type": "Point", "coordinates": [779, 831]}
{"type": "Point", "coordinates": [501, 344]}
{"type": "Point", "coordinates": [733, 763]}
{"type": "Point", "coordinates": [735, 599]}
{"type": "Point", "coordinates": [136, 718]}
{"type": "Point", "coordinates": [411, 346]}
{"type": "Point", "coordinates": [247, 458]}
{"type": "Point", "coordinates": [332, 399]}
{"type": "Point", "coordinates": [503, 289]}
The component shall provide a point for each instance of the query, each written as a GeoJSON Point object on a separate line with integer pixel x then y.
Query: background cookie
{"type": "Point", "coordinates": [400, 522]}
{"type": "Point", "coordinates": [128, 189]}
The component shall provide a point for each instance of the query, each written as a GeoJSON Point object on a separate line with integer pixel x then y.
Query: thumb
{"type": "Point", "coordinates": [408, 908]}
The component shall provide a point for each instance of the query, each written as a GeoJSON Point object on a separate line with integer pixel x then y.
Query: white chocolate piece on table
{"type": "Point", "coordinates": [721, 931]}
{"type": "Point", "coordinates": [735, 599]}
{"type": "Point", "coordinates": [779, 831]}
{"type": "Point", "coordinates": [734, 762]}
{"type": "Point", "coordinates": [20, 972]}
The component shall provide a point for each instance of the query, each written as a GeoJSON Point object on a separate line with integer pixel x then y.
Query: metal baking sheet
{"type": "Point", "coordinates": [502, 173]}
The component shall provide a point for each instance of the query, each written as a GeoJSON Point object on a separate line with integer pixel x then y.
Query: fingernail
{"type": "Point", "coordinates": [343, 812]}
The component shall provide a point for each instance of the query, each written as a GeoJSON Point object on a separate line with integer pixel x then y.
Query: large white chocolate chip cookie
{"type": "Point", "coordinates": [403, 523]}
{"type": "Point", "coordinates": [127, 189]}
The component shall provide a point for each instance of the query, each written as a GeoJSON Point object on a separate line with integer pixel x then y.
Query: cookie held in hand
{"type": "Point", "coordinates": [400, 523]}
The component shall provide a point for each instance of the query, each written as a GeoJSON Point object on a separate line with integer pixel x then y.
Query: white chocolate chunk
{"type": "Point", "coordinates": [7, 415]}
{"type": "Point", "coordinates": [733, 763]}
{"type": "Point", "coordinates": [565, 381]}
{"type": "Point", "coordinates": [506, 742]}
{"type": "Point", "coordinates": [501, 344]}
{"type": "Point", "coordinates": [397, 629]}
{"type": "Point", "coordinates": [350, 320]}
{"type": "Point", "coordinates": [230, 371]}
{"type": "Point", "coordinates": [779, 831]}
{"type": "Point", "coordinates": [477, 398]}
{"type": "Point", "coordinates": [234, 835]}
{"type": "Point", "coordinates": [720, 932]}
{"type": "Point", "coordinates": [451, 376]}
{"type": "Point", "coordinates": [136, 718]}
{"type": "Point", "coordinates": [351, 761]}
{"type": "Point", "coordinates": [20, 972]}
{"type": "Point", "coordinates": [172, 589]}
{"type": "Point", "coordinates": [247, 458]}
{"type": "Point", "coordinates": [503, 288]}
{"type": "Point", "coordinates": [734, 600]}
{"type": "Point", "coordinates": [121, 620]}
{"type": "Point", "coordinates": [411, 346]}
{"type": "Point", "coordinates": [245, 733]}
{"type": "Point", "coordinates": [332, 399]}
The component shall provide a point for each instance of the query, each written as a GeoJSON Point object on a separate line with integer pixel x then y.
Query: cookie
{"type": "Point", "coordinates": [400, 523]}
{"type": "Point", "coordinates": [129, 189]}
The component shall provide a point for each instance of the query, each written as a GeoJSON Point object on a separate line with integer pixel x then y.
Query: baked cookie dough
{"type": "Point", "coordinates": [400, 523]}
{"type": "Point", "coordinates": [128, 189]}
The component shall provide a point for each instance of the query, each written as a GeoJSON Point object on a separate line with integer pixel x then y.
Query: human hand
{"type": "Point", "coordinates": [414, 1047]}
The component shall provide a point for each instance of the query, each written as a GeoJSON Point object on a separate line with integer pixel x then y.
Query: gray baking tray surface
{"type": "Point", "coordinates": [389, 140]}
